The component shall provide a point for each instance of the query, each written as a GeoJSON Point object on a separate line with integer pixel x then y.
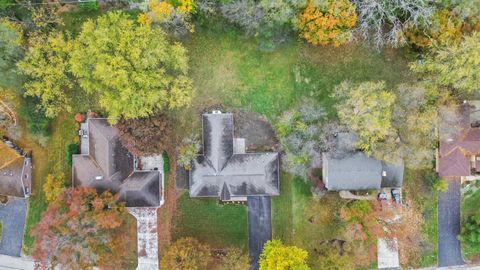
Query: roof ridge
{"type": "Point", "coordinates": [10, 162]}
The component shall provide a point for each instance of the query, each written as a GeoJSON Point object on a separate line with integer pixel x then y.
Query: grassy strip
{"type": "Point", "coordinates": [218, 225]}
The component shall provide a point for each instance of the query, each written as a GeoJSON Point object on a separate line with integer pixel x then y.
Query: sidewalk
{"type": "Point", "coordinates": [14, 263]}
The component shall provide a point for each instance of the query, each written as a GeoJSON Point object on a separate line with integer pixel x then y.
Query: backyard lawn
{"type": "Point", "coordinates": [220, 226]}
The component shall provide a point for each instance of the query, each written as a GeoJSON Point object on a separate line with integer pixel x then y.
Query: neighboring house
{"type": "Point", "coordinates": [104, 164]}
{"type": "Point", "coordinates": [225, 171]}
{"type": "Point", "coordinates": [356, 171]}
{"type": "Point", "coordinates": [459, 133]}
{"type": "Point", "coordinates": [15, 171]}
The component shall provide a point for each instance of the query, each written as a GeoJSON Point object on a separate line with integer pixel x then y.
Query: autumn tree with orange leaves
{"type": "Point", "coordinates": [328, 23]}
{"type": "Point", "coordinates": [83, 229]}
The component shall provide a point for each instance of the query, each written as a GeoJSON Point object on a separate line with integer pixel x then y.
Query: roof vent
{"type": "Point", "coordinates": [217, 112]}
{"type": "Point", "coordinates": [98, 177]}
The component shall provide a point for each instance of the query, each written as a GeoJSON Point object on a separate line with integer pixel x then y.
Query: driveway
{"type": "Point", "coordinates": [449, 253]}
{"type": "Point", "coordinates": [259, 226]}
{"type": "Point", "coordinates": [12, 216]}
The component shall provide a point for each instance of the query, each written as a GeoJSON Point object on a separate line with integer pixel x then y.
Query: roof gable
{"type": "Point", "coordinates": [222, 173]}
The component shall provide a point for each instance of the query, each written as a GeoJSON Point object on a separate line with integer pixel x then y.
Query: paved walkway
{"type": "Point", "coordinates": [12, 216]}
{"type": "Point", "coordinates": [147, 237]}
{"type": "Point", "coordinates": [16, 263]}
{"type": "Point", "coordinates": [259, 226]}
{"type": "Point", "coordinates": [449, 253]}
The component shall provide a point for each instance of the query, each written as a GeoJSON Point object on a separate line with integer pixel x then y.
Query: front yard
{"type": "Point", "coordinates": [220, 226]}
{"type": "Point", "coordinates": [469, 206]}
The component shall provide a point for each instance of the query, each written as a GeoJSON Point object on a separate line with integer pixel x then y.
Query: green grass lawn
{"type": "Point", "coordinates": [220, 226]}
{"type": "Point", "coordinates": [229, 69]}
{"type": "Point", "coordinates": [48, 159]}
{"type": "Point", "coordinates": [470, 202]}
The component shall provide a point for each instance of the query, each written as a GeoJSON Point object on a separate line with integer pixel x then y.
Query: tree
{"type": "Point", "coordinates": [173, 15]}
{"type": "Point", "coordinates": [393, 126]}
{"type": "Point", "coordinates": [53, 186]}
{"type": "Point", "coordinates": [145, 136]}
{"type": "Point", "coordinates": [235, 259]}
{"type": "Point", "coordinates": [445, 29]}
{"type": "Point", "coordinates": [384, 21]}
{"type": "Point", "coordinates": [299, 131]}
{"type": "Point", "coordinates": [83, 229]}
{"type": "Point", "coordinates": [10, 51]}
{"type": "Point", "coordinates": [133, 69]}
{"type": "Point", "coordinates": [329, 23]}
{"type": "Point", "coordinates": [34, 114]}
{"type": "Point", "coordinates": [456, 67]}
{"type": "Point", "coordinates": [47, 67]}
{"type": "Point", "coordinates": [277, 256]}
{"type": "Point", "coordinates": [186, 254]}
{"type": "Point", "coordinates": [247, 14]}
{"type": "Point", "coordinates": [366, 108]}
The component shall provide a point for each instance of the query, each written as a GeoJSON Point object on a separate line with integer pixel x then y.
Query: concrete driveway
{"type": "Point", "coordinates": [449, 253]}
{"type": "Point", "coordinates": [12, 216]}
{"type": "Point", "coordinates": [259, 226]}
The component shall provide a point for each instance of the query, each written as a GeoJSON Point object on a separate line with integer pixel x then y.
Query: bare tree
{"type": "Point", "coordinates": [383, 21]}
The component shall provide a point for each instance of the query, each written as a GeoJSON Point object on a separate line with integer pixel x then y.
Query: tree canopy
{"type": "Point", "coordinates": [83, 229]}
{"type": "Point", "coordinates": [186, 253]}
{"type": "Point", "coordinates": [133, 69]}
{"type": "Point", "coordinates": [145, 136]}
{"type": "Point", "coordinates": [366, 108]}
{"type": "Point", "coordinates": [456, 67]}
{"type": "Point", "coordinates": [11, 50]}
{"type": "Point", "coordinates": [277, 256]}
{"type": "Point", "coordinates": [47, 67]}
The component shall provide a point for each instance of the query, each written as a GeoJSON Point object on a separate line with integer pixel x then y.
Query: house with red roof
{"type": "Point", "coordinates": [459, 134]}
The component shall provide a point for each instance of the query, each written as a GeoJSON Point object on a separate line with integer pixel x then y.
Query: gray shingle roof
{"type": "Point", "coordinates": [110, 167]}
{"type": "Point", "coordinates": [356, 171]}
{"type": "Point", "coordinates": [222, 173]}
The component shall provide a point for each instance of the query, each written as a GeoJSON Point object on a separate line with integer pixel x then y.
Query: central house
{"type": "Point", "coordinates": [225, 170]}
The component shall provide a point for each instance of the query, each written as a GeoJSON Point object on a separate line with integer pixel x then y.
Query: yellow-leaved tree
{"type": "Point", "coordinates": [277, 256]}
{"type": "Point", "coordinates": [53, 186]}
{"type": "Point", "coordinates": [328, 23]}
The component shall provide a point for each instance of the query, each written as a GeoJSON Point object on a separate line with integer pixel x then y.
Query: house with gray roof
{"type": "Point", "coordinates": [15, 170]}
{"type": "Point", "coordinates": [355, 170]}
{"type": "Point", "coordinates": [225, 170]}
{"type": "Point", "coordinates": [104, 164]}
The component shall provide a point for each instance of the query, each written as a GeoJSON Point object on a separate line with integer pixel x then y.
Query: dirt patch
{"type": "Point", "coordinates": [259, 134]}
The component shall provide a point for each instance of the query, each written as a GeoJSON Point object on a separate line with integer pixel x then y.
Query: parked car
{"type": "Point", "coordinates": [382, 196]}
{"type": "Point", "coordinates": [396, 195]}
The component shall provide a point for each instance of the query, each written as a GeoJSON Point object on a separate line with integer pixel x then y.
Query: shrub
{"type": "Point", "coordinates": [89, 6]}
{"type": "Point", "coordinates": [37, 122]}
{"type": "Point", "coordinates": [471, 230]}
{"type": "Point", "coordinates": [53, 187]}
{"type": "Point", "coordinates": [166, 163]}
{"type": "Point", "coordinates": [330, 23]}
{"type": "Point", "coordinates": [72, 149]}
{"type": "Point", "coordinates": [441, 185]}
{"type": "Point", "coordinates": [188, 151]}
